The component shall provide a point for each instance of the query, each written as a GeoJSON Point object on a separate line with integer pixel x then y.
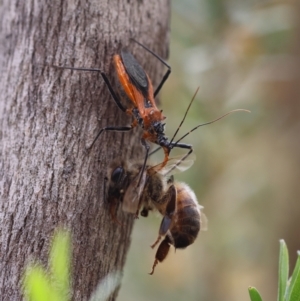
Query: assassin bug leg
{"type": "Point", "coordinates": [166, 75]}
{"type": "Point", "coordinates": [147, 147]}
{"type": "Point", "coordinates": [210, 122]}
{"type": "Point", "coordinates": [104, 77]}
{"type": "Point", "coordinates": [111, 128]}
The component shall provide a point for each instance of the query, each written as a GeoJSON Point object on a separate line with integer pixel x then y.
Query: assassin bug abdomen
{"type": "Point", "coordinates": [138, 88]}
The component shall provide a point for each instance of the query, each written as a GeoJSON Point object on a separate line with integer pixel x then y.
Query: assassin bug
{"type": "Point", "coordinates": [137, 87]}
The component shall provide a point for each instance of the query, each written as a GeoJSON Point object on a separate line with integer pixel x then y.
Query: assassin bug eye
{"type": "Point", "coordinates": [117, 174]}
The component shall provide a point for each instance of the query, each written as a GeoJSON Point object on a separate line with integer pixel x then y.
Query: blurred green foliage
{"type": "Point", "coordinates": [53, 284]}
{"type": "Point", "coordinates": [288, 289]}
{"type": "Point", "coordinates": [254, 294]}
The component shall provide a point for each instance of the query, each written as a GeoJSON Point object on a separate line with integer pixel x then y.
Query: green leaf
{"type": "Point", "coordinates": [254, 294]}
{"type": "Point", "coordinates": [60, 263]}
{"type": "Point", "coordinates": [283, 273]}
{"type": "Point", "coordinates": [293, 291]}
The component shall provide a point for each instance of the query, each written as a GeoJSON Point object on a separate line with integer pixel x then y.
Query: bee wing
{"type": "Point", "coordinates": [133, 194]}
{"type": "Point", "coordinates": [203, 220]}
{"type": "Point", "coordinates": [174, 165]}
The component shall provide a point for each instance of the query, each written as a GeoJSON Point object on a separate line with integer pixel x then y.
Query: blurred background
{"type": "Point", "coordinates": [242, 54]}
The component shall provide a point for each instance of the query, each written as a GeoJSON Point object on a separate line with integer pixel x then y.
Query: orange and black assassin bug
{"type": "Point", "coordinates": [139, 90]}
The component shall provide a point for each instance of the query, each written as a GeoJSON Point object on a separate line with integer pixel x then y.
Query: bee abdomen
{"type": "Point", "coordinates": [186, 231]}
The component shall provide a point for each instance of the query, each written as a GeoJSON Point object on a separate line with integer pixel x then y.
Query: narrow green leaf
{"type": "Point", "coordinates": [283, 272]}
{"type": "Point", "coordinates": [60, 263]}
{"type": "Point", "coordinates": [293, 292]}
{"type": "Point", "coordinates": [254, 294]}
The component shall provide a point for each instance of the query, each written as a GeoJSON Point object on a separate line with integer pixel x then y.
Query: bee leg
{"type": "Point", "coordinates": [161, 253]}
{"type": "Point", "coordinates": [170, 197]}
{"type": "Point", "coordinates": [157, 241]}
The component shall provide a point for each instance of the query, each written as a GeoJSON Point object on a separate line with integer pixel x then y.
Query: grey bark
{"type": "Point", "coordinates": [48, 118]}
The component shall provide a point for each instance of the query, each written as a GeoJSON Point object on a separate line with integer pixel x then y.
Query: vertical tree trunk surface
{"type": "Point", "coordinates": [47, 119]}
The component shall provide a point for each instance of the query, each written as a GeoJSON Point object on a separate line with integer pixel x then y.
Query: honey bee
{"type": "Point", "coordinates": [176, 202]}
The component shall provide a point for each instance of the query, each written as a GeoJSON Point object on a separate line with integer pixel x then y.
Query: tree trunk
{"type": "Point", "coordinates": [48, 118]}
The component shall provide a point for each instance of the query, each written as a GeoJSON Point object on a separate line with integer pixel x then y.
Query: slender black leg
{"type": "Point", "coordinates": [162, 81]}
{"type": "Point", "coordinates": [112, 92]}
{"type": "Point", "coordinates": [106, 80]}
{"type": "Point", "coordinates": [154, 151]}
{"type": "Point", "coordinates": [180, 145]}
{"type": "Point", "coordinates": [147, 147]}
{"type": "Point", "coordinates": [111, 128]}
{"type": "Point", "coordinates": [173, 144]}
{"type": "Point", "coordinates": [165, 77]}
{"type": "Point", "coordinates": [78, 69]}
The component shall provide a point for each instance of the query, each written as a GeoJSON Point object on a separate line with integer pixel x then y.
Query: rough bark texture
{"type": "Point", "coordinates": [48, 118]}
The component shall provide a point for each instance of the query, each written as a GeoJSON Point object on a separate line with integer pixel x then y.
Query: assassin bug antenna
{"type": "Point", "coordinates": [210, 122]}
{"type": "Point", "coordinates": [187, 110]}
{"type": "Point", "coordinates": [172, 144]}
{"type": "Point", "coordinates": [190, 147]}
